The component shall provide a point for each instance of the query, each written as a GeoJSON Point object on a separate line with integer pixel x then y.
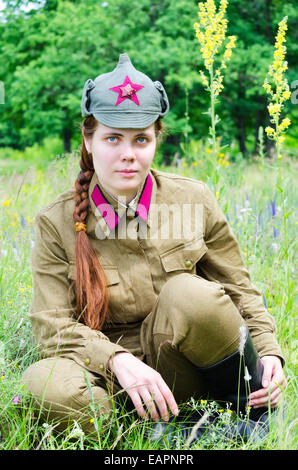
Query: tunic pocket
{"type": "Point", "coordinates": [111, 273]}
{"type": "Point", "coordinates": [184, 257]}
{"type": "Point", "coordinates": [122, 308]}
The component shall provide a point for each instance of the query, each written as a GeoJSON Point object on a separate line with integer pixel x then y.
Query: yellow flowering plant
{"type": "Point", "coordinates": [278, 90]}
{"type": "Point", "coordinates": [216, 51]}
{"type": "Point", "coordinates": [211, 34]}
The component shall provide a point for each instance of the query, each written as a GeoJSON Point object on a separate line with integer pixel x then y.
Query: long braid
{"type": "Point", "coordinates": [91, 289]}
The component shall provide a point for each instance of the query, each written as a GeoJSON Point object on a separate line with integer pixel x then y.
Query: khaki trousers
{"type": "Point", "coordinates": [193, 323]}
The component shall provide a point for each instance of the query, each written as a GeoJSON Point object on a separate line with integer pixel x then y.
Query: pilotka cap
{"type": "Point", "coordinates": [124, 98]}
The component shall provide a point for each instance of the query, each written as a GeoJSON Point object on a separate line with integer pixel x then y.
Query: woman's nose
{"type": "Point", "coordinates": [127, 154]}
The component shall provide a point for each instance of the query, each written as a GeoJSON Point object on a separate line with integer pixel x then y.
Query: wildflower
{"type": "Point", "coordinates": [286, 95]}
{"type": "Point", "coordinates": [247, 375]}
{"type": "Point", "coordinates": [2, 377]}
{"type": "Point", "coordinates": [92, 420]}
{"type": "Point", "coordinates": [221, 410]}
{"type": "Point", "coordinates": [284, 124]}
{"type": "Point", "coordinates": [23, 221]}
{"type": "Point", "coordinates": [270, 132]}
{"type": "Point", "coordinates": [267, 87]}
{"type": "Point", "coordinates": [274, 109]}
{"type": "Point", "coordinates": [242, 331]}
{"type": "Point", "coordinates": [280, 91]}
{"type": "Point", "coordinates": [204, 79]}
{"type": "Point", "coordinates": [16, 400]}
{"type": "Point", "coordinates": [211, 34]}
{"type": "Point", "coordinates": [6, 203]}
{"type": "Point", "coordinates": [203, 402]}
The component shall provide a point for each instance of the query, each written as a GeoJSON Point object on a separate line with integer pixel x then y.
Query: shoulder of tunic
{"type": "Point", "coordinates": [60, 211]}
{"type": "Point", "coordinates": [178, 187]}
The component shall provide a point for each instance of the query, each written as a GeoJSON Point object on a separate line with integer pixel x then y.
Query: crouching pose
{"type": "Point", "coordinates": [139, 283]}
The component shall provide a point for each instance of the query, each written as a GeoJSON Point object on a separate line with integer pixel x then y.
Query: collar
{"type": "Point", "coordinates": [107, 209]}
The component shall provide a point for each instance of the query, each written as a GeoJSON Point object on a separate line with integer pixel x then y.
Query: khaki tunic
{"type": "Point", "coordinates": [178, 228]}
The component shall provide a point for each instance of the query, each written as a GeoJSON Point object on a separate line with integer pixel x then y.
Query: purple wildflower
{"type": "Point", "coordinates": [23, 221]}
{"type": "Point", "coordinates": [273, 208]}
{"type": "Point", "coordinates": [275, 232]}
{"type": "Point", "coordinates": [16, 400]}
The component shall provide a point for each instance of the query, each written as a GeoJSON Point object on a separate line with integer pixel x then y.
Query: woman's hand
{"type": "Point", "coordinates": [144, 386]}
{"type": "Point", "coordinates": [273, 381]}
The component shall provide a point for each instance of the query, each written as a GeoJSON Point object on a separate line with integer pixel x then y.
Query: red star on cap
{"type": "Point", "coordinates": [127, 91]}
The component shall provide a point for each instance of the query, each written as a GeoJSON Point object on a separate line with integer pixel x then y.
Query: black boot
{"type": "Point", "coordinates": [226, 381]}
{"type": "Point", "coordinates": [207, 432]}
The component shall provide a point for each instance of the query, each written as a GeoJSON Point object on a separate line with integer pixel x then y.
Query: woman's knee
{"type": "Point", "coordinates": [61, 385]}
{"type": "Point", "coordinates": [200, 300]}
{"type": "Point", "coordinates": [200, 318]}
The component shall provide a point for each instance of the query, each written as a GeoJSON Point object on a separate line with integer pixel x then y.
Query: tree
{"type": "Point", "coordinates": [47, 54]}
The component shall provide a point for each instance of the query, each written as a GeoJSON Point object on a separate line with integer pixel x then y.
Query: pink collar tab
{"type": "Point", "coordinates": [106, 210]}
{"type": "Point", "coordinates": [145, 198]}
{"type": "Point", "coordinates": [109, 213]}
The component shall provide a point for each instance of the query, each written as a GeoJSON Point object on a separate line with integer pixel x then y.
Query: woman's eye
{"type": "Point", "coordinates": [112, 139]}
{"type": "Point", "coordinates": [142, 140]}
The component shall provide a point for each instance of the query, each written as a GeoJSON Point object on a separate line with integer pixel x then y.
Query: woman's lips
{"type": "Point", "coordinates": [127, 173]}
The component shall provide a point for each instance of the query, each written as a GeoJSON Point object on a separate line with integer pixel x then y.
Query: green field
{"type": "Point", "coordinates": [262, 220]}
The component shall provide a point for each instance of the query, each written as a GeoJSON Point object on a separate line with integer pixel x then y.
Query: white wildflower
{"type": "Point", "coordinates": [242, 331]}
{"type": "Point", "coordinates": [274, 247]}
{"type": "Point", "coordinates": [247, 375]}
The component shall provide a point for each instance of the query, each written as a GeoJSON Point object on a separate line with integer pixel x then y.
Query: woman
{"type": "Point", "coordinates": [139, 283]}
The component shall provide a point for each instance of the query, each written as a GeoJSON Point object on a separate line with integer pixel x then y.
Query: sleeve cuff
{"type": "Point", "coordinates": [98, 354]}
{"type": "Point", "coordinates": [266, 345]}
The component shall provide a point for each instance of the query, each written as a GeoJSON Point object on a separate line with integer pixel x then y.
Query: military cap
{"type": "Point", "coordinates": [124, 98]}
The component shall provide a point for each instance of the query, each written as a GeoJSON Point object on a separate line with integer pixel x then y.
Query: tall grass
{"type": "Point", "coordinates": [252, 204]}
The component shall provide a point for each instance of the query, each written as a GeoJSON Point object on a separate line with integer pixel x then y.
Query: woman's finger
{"type": "Point", "coordinates": [148, 400]}
{"type": "Point", "coordinates": [169, 397]}
{"type": "Point", "coordinates": [161, 403]}
{"type": "Point", "coordinates": [265, 397]}
{"type": "Point", "coordinates": [136, 399]}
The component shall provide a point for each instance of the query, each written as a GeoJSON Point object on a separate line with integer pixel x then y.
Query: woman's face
{"type": "Point", "coordinates": [122, 158]}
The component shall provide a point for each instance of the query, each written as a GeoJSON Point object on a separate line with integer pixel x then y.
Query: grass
{"type": "Point", "coordinates": [248, 195]}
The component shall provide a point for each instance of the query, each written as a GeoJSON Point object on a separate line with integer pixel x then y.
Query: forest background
{"type": "Point", "coordinates": [48, 49]}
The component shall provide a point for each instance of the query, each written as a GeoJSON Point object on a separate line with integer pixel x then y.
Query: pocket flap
{"type": "Point", "coordinates": [184, 257]}
{"type": "Point", "coordinates": [111, 273]}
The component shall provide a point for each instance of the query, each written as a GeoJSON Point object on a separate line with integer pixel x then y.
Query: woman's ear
{"type": "Point", "coordinates": [87, 141]}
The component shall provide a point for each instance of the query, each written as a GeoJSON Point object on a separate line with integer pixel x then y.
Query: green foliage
{"type": "Point", "coordinates": [48, 53]}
